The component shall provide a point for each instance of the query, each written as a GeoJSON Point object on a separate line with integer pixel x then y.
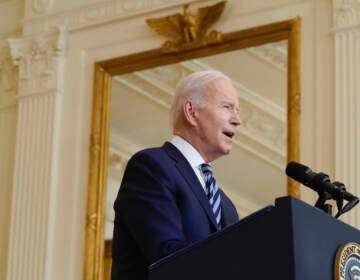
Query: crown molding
{"type": "Point", "coordinates": [97, 14]}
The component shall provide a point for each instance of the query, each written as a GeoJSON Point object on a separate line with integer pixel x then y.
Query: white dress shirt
{"type": "Point", "coordinates": [192, 156]}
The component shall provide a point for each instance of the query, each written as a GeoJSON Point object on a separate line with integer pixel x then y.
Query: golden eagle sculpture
{"type": "Point", "coordinates": [188, 30]}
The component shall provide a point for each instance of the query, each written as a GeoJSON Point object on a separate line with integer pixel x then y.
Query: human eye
{"type": "Point", "coordinates": [226, 106]}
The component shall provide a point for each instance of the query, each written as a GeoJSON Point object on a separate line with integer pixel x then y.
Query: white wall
{"type": "Point", "coordinates": [105, 30]}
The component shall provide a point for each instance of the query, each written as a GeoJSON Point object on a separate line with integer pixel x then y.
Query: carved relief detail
{"type": "Point", "coordinates": [273, 53]}
{"type": "Point", "coordinates": [346, 13]}
{"type": "Point", "coordinates": [98, 13]}
{"type": "Point", "coordinates": [7, 68]}
{"type": "Point", "coordinates": [187, 30]}
{"type": "Point", "coordinates": [266, 128]}
{"type": "Point", "coordinates": [91, 221]}
{"type": "Point", "coordinates": [38, 58]}
{"type": "Point", "coordinates": [295, 104]}
{"type": "Point", "coordinates": [117, 161]}
{"type": "Point", "coordinates": [8, 76]}
{"type": "Point", "coordinates": [41, 6]}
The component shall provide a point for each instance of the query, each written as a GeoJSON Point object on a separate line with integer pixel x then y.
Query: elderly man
{"type": "Point", "coordinates": [168, 197]}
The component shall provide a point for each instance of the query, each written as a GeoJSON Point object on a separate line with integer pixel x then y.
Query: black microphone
{"type": "Point", "coordinates": [319, 182]}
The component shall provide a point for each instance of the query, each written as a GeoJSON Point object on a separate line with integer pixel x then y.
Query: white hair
{"type": "Point", "coordinates": [192, 87]}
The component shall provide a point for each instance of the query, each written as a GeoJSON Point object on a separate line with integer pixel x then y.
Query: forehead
{"type": "Point", "coordinates": [222, 90]}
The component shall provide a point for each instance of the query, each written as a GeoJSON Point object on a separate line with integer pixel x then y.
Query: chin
{"type": "Point", "coordinates": [227, 148]}
{"type": "Point", "coordinates": [226, 151]}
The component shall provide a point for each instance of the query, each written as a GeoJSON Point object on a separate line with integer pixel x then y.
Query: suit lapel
{"type": "Point", "coordinates": [228, 214]}
{"type": "Point", "coordinates": [189, 175]}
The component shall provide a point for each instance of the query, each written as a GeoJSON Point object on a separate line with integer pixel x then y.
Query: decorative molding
{"type": "Point", "coordinates": [38, 59]}
{"type": "Point", "coordinates": [17, 32]}
{"type": "Point", "coordinates": [99, 13]}
{"type": "Point", "coordinates": [41, 6]}
{"type": "Point", "coordinates": [8, 114]}
{"type": "Point", "coordinates": [188, 30]}
{"type": "Point", "coordinates": [40, 64]}
{"type": "Point", "coordinates": [273, 53]}
{"type": "Point", "coordinates": [263, 132]}
{"type": "Point", "coordinates": [8, 77]}
{"type": "Point", "coordinates": [347, 108]}
{"type": "Point", "coordinates": [91, 221]}
{"type": "Point", "coordinates": [33, 187]}
{"type": "Point", "coordinates": [346, 13]}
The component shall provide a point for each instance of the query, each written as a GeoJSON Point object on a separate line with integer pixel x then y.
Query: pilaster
{"type": "Point", "coordinates": [8, 86]}
{"type": "Point", "coordinates": [40, 62]}
{"type": "Point", "coordinates": [347, 98]}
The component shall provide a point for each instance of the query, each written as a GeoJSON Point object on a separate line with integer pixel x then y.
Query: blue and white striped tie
{"type": "Point", "coordinates": [212, 192]}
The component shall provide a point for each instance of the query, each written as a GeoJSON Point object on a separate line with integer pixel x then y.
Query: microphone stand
{"type": "Point", "coordinates": [339, 197]}
{"type": "Point", "coordinates": [320, 203]}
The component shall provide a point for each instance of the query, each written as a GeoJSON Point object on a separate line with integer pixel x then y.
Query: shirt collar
{"type": "Point", "coordinates": [188, 151]}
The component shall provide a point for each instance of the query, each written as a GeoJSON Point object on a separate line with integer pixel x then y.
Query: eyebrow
{"type": "Point", "coordinates": [231, 104]}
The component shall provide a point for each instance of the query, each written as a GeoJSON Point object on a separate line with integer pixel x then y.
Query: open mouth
{"type": "Point", "coordinates": [229, 134]}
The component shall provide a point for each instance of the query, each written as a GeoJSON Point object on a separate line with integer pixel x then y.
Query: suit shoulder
{"type": "Point", "coordinates": [148, 153]}
{"type": "Point", "coordinates": [156, 153]}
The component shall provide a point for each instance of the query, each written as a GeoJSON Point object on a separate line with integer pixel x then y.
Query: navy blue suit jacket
{"type": "Point", "coordinates": [160, 208]}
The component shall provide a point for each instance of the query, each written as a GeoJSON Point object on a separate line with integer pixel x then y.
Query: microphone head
{"type": "Point", "coordinates": [299, 172]}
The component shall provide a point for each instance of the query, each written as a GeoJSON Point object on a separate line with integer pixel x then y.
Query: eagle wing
{"type": "Point", "coordinates": [170, 26]}
{"type": "Point", "coordinates": [207, 16]}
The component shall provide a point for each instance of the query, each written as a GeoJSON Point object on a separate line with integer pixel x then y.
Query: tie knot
{"type": "Point", "coordinates": [206, 169]}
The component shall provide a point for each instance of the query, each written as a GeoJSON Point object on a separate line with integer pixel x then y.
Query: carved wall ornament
{"type": "Point", "coordinates": [41, 6]}
{"type": "Point", "coordinates": [187, 30]}
{"type": "Point", "coordinates": [95, 14]}
{"type": "Point", "coordinates": [273, 53]}
{"type": "Point", "coordinates": [295, 105]}
{"type": "Point", "coordinates": [91, 221]}
{"type": "Point", "coordinates": [8, 71]}
{"type": "Point", "coordinates": [38, 58]}
{"type": "Point", "coordinates": [346, 13]}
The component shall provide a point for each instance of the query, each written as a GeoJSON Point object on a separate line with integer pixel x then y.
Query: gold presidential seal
{"type": "Point", "coordinates": [347, 262]}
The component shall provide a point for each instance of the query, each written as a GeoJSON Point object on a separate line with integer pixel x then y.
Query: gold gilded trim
{"type": "Point", "coordinates": [293, 108]}
{"type": "Point", "coordinates": [94, 240]}
{"type": "Point", "coordinates": [342, 256]}
{"type": "Point", "coordinates": [187, 30]}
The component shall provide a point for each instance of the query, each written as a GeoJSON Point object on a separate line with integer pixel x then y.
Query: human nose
{"type": "Point", "coordinates": [236, 119]}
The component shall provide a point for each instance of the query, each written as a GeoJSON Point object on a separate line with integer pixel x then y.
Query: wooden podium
{"type": "Point", "coordinates": [288, 241]}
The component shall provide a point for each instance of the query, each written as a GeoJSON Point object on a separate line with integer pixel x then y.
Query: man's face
{"type": "Point", "coordinates": [217, 119]}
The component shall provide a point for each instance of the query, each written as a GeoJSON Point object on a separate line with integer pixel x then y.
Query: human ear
{"type": "Point", "coordinates": [189, 111]}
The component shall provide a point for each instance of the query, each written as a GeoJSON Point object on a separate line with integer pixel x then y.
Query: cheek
{"type": "Point", "coordinates": [218, 123]}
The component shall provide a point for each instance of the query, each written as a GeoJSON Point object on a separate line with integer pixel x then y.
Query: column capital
{"type": "Point", "coordinates": [39, 59]}
{"type": "Point", "coordinates": [8, 76]}
{"type": "Point", "coordinates": [346, 14]}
